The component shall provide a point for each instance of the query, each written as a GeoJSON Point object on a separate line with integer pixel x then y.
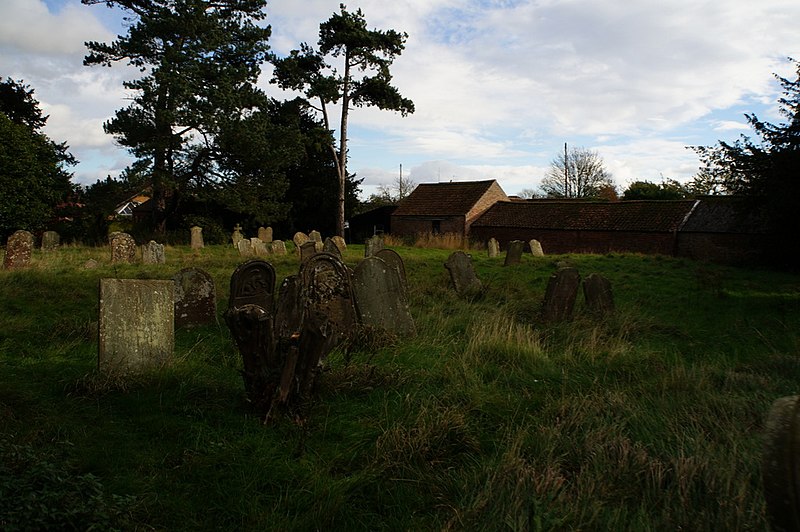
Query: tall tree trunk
{"type": "Point", "coordinates": [341, 167]}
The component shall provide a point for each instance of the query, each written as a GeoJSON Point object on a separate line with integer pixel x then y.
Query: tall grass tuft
{"type": "Point", "coordinates": [440, 241]}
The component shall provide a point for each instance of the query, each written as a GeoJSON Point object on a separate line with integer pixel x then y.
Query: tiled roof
{"type": "Point", "coordinates": [726, 214]}
{"type": "Point", "coordinates": [443, 199]}
{"type": "Point", "coordinates": [639, 216]}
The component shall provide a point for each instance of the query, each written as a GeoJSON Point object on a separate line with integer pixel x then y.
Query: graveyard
{"type": "Point", "coordinates": [479, 407]}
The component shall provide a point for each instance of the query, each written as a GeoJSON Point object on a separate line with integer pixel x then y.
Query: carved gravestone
{"type": "Point", "coordinates": [278, 247]}
{"type": "Point", "coordinates": [18, 250]}
{"type": "Point", "coordinates": [598, 294]}
{"type": "Point", "coordinates": [136, 325]}
{"type": "Point", "coordinates": [237, 236]}
{"type": "Point", "coordinates": [373, 245]}
{"type": "Point", "coordinates": [493, 248]}
{"type": "Point", "coordinates": [380, 297]}
{"type": "Point", "coordinates": [299, 239]}
{"type": "Point", "coordinates": [536, 248]}
{"type": "Point", "coordinates": [328, 296]}
{"type": "Point", "coordinates": [50, 241]}
{"type": "Point", "coordinates": [780, 464]}
{"type": "Point", "coordinates": [514, 252]}
{"type": "Point", "coordinates": [329, 246]}
{"type": "Point", "coordinates": [462, 274]}
{"type": "Point", "coordinates": [340, 243]}
{"type": "Point", "coordinates": [253, 283]}
{"type": "Point", "coordinates": [244, 247]}
{"type": "Point", "coordinates": [195, 298]}
{"type": "Point", "coordinates": [153, 253]}
{"type": "Point", "coordinates": [197, 238]}
{"type": "Point", "coordinates": [560, 295]}
{"type": "Point", "coordinates": [391, 257]}
{"type": "Point", "coordinates": [307, 250]}
{"type": "Point", "coordinates": [123, 249]}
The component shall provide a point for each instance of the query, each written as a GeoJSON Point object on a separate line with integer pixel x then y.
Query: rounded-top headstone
{"type": "Point", "coordinates": [18, 250]}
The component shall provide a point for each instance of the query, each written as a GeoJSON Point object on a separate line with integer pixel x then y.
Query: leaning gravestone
{"type": "Point", "coordinates": [329, 246]}
{"type": "Point", "coordinates": [328, 297]}
{"type": "Point", "coordinates": [258, 247]}
{"type": "Point", "coordinates": [373, 245]}
{"type": "Point", "coordinates": [514, 252]}
{"type": "Point", "coordinates": [299, 239]}
{"type": "Point", "coordinates": [560, 295]}
{"type": "Point", "coordinates": [18, 250]}
{"type": "Point", "coordinates": [780, 464]}
{"type": "Point", "coordinates": [136, 326]}
{"type": "Point", "coordinates": [493, 248]}
{"type": "Point", "coordinates": [307, 250]}
{"type": "Point", "coordinates": [195, 298]}
{"type": "Point", "coordinates": [380, 297]}
{"type": "Point", "coordinates": [237, 236]}
{"type": "Point", "coordinates": [244, 247]}
{"type": "Point", "coordinates": [462, 274]}
{"type": "Point", "coordinates": [278, 247]}
{"type": "Point", "coordinates": [393, 259]}
{"type": "Point", "coordinates": [153, 253]}
{"type": "Point", "coordinates": [340, 243]}
{"type": "Point", "coordinates": [50, 241]}
{"type": "Point", "coordinates": [536, 248]}
{"type": "Point", "coordinates": [598, 294]}
{"type": "Point", "coordinates": [123, 249]}
{"type": "Point", "coordinates": [197, 237]}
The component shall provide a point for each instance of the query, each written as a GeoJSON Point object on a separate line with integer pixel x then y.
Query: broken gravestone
{"type": "Point", "coordinates": [780, 464]}
{"type": "Point", "coordinates": [123, 249]}
{"type": "Point", "coordinates": [559, 298]}
{"type": "Point", "coordinates": [136, 325]}
{"type": "Point", "coordinates": [393, 259]}
{"type": "Point", "coordinates": [197, 237]}
{"type": "Point", "coordinates": [493, 248]}
{"type": "Point", "coordinates": [536, 248]}
{"type": "Point", "coordinates": [289, 308]}
{"type": "Point", "coordinates": [514, 252]}
{"type": "Point", "coordinates": [18, 250]}
{"type": "Point", "coordinates": [50, 241]}
{"type": "Point", "coordinates": [329, 246]}
{"type": "Point", "coordinates": [328, 295]}
{"type": "Point", "coordinates": [380, 297]}
{"type": "Point", "coordinates": [195, 298]}
{"type": "Point", "coordinates": [153, 253]}
{"type": "Point", "coordinates": [462, 274]}
{"type": "Point", "coordinates": [307, 250]}
{"type": "Point", "coordinates": [598, 294]}
{"type": "Point", "coordinates": [373, 245]}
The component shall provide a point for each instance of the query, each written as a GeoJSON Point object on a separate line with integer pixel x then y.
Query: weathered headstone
{"type": "Point", "coordinates": [197, 237]}
{"type": "Point", "coordinates": [462, 274]}
{"type": "Point", "coordinates": [560, 295]}
{"type": "Point", "coordinates": [381, 298]}
{"type": "Point", "coordinates": [278, 247]}
{"type": "Point", "coordinates": [307, 250]}
{"type": "Point", "coordinates": [536, 248]}
{"type": "Point", "coordinates": [514, 252]}
{"type": "Point", "coordinates": [329, 246]}
{"type": "Point", "coordinates": [493, 247]}
{"type": "Point", "coordinates": [264, 235]}
{"type": "Point", "coordinates": [123, 249]}
{"type": "Point", "coordinates": [327, 293]}
{"type": "Point", "coordinates": [195, 298]}
{"type": "Point", "coordinates": [244, 247]}
{"type": "Point", "coordinates": [394, 260]}
{"type": "Point", "coordinates": [90, 264]}
{"type": "Point", "coordinates": [237, 236]}
{"type": "Point", "coordinates": [18, 250]}
{"type": "Point", "coordinates": [340, 243]}
{"type": "Point", "coordinates": [598, 294]}
{"type": "Point", "coordinates": [258, 247]}
{"type": "Point", "coordinates": [50, 241]}
{"type": "Point", "coordinates": [153, 253]}
{"type": "Point", "coordinates": [136, 326]}
{"type": "Point", "coordinates": [373, 245]}
{"type": "Point", "coordinates": [315, 235]}
{"type": "Point", "coordinates": [299, 239]}
{"type": "Point", "coordinates": [111, 236]}
{"type": "Point", "coordinates": [780, 464]}
{"type": "Point", "coordinates": [253, 283]}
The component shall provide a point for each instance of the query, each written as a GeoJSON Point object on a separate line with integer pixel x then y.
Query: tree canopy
{"type": "Point", "coordinates": [362, 80]}
{"type": "Point", "coordinates": [668, 189]}
{"type": "Point", "coordinates": [576, 173]}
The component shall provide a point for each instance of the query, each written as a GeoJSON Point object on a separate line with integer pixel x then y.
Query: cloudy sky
{"type": "Point", "coordinates": [499, 85]}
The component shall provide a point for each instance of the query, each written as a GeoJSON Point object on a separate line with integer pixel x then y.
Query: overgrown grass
{"type": "Point", "coordinates": [650, 419]}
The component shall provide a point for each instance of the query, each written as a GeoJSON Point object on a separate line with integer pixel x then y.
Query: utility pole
{"type": "Point", "coordinates": [400, 184]}
{"type": "Point", "coordinates": [566, 173]}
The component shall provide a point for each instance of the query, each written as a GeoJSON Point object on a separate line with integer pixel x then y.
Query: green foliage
{"type": "Point", "coordinates": [668, 189]}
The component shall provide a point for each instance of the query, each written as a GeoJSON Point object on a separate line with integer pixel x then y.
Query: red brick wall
{"type": "Point", "coordinates": [492, 196]}
{"type": "Point", "coordinates": [408, 226]}
{"type": "Point", "coordinates": [555, 242]}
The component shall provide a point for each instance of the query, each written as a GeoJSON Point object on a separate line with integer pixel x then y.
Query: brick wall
{"type": "Point", "coordinates": [555, 242]}
{"type": "Point", "coordinates": [492, 196]}
{"type": "Point", "coordinates": [724, 247]}
{"type": "Point", "coordinates": [409, 226]}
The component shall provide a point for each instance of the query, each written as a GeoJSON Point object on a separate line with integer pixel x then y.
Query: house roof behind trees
{"type": "Point", "coordinates": [444, 199]}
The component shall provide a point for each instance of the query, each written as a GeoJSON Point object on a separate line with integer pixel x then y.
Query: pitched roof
{"type": "Point", "coordinates": [443, 199]}
{"type": "Point", "coordinates": [639, 216]}
{"type": "Point", "coordinates": [726, 214]}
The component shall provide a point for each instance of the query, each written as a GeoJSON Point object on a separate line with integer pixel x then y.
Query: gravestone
{"type": "Point", "coordinates": [289, 308]}
{"type": "Point", "coordinates": [780, 463]}
{"type": "Point", "coordinates": [514, 252]}
{"type": "Point", "coordinates": [153, 253]}
{"type": "Point", "coordinates": [493, 248]}
{"type": "Point", "coordinates": [18, 250]}
{"type": "Point", "coordinates": [253, 283]}
{"type": "Point", "coordinates": [381, 298]}
{"type": "Point", "coordinates": [278, 247]}
{"type": "Point", "coordinates": [560, 295]}
{"type": "Point", "coordinates": [462, 274]}
{"type": "Point", "coordinates": [307, 250]}
{"type": "Point", "coordinates": [393, 259]}
{"type": "Point", "coordinates": [340, 243]}
{"type": "Point", "coordinates": [299, 239]}
{"type": "Point", "coordinates": [197, 237]}
{"type": "Point", "coordinates": [329, 246]}
{"type": "Point", "coordinates": [111, 236]}
{"type": "Point", "coordinates": [536, 248]}
{"type": "Point", "coordinates": [50, 241]}
{"type": "Point", "coordinates": [258, 247]}
{"type": "Point", "coordinates": [123, 249]}
{"type": "Point", "coordinates": [195, 298]}
{"type": "Point", "coordinates": [136, 326]}
{"type": "Point", "coordinates": [328, 297]}
{"type": "Point", "coordinates": [315, 236]}
{"type": "Point", "coordinates": [265, 234]}
{"type": "Point", "coordinates": [598, 294]}
{"type": "Point", "coordinates": [237, 236]}
{"type": "Point", "coordinates": [244, 247]}
{"type": "Point", "coordinates": [373, 245]}
{"type": "Point", "coordinates": [90, 264]}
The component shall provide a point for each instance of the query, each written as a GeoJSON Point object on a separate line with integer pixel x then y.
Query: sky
{"type": "Point", "coordinates": [499, 85]}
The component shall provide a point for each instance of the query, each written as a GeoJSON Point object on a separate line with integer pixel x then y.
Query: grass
{"type": "Point", "coordinates": [486, 420]}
